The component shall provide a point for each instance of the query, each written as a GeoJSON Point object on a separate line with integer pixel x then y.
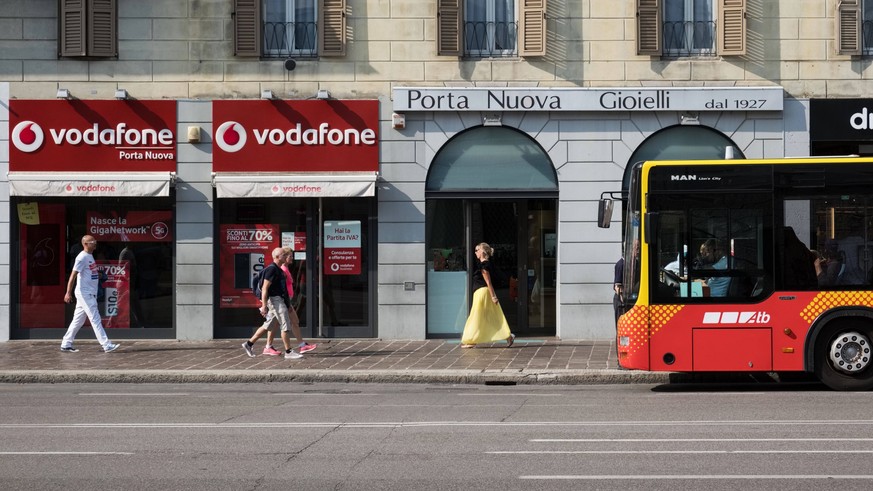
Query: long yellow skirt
{"type": "Point", "coordinates": [486, 322]}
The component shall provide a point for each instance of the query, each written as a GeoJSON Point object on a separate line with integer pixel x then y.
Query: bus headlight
{"type": "Point", "coordinates": [624, 341]}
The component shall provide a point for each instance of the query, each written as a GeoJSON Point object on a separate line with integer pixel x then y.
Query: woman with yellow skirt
{"type": "Point", "coordinates": [486, 322]}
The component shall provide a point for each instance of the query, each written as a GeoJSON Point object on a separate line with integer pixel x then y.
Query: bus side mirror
{"type": "Point", "coordinates": [604, 212]}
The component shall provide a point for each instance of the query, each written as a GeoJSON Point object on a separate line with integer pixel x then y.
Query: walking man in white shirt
{"type": "Point", "coordinates": [88, 276]}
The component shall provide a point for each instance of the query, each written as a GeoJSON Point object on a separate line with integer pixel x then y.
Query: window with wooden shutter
{"type": "Point", "coordinates": [533, 28]}
{"type": "Point", "coordinates": [649, 27]}
{"type": "Point", "coordinates": [102, 38]}
{"type": "Point", "coordinates": [449, 27]}
{"type": "Point", "coordinates": [849, 27]}
{"type": "Point", "coordinates": [332, 28]}
{"type": "Point", "coordinates": [247, 27]}
{"type": "Point", "coordinates": [731, 27]}
{"type": "Point", "coordinates": [71, 28]}
{"type": "Point", "coordinates": [87, 28]}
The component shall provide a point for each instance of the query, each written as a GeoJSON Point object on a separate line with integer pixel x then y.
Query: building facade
{"type": "Point", "coordinates": [381, 140]}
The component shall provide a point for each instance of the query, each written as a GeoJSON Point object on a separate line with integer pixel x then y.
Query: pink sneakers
{"type": "Point", "coordinates": [306, 347]}
{"type": "Point", "coordinates": [270, 351]}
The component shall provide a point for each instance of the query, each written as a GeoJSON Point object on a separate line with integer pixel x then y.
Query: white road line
{"type": "Point", "coordinates": [66, 453]}
{"type": "Point", "coordinates": [128, 394]}
{"type": "Point", "coordinates": [694, 477]}
{"type": "Point", "coordinates": [525, 394]}
{"type": "Point", "coordinates": [684, 440]}
{"type": "Point", "coordinates": [654, 452]}
{"type": "Point", "coordinates": [421, 424]}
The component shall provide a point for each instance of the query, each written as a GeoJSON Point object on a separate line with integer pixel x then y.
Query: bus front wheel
{"type": "Point", "coordinates": [844, 356]}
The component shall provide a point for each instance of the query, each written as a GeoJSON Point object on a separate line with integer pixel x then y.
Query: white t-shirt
{"type": "Point", "coordinates": [89, 275]}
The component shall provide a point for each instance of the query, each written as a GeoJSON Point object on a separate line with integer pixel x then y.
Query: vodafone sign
{"type": "Point", "coordinates": [295, 136]}
{"type": "Point", "coordinates": [92, 136]}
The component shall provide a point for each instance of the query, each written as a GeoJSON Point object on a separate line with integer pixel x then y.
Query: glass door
{"type": "Point", "coordinates": [523, 235]}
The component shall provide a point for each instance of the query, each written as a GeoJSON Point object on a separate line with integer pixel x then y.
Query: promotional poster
{"type": "Point", "coordinates": [113, 295]}
{"type": "Point", "coordinates": [342, 247]}
{"type": "Point", "coordinates": [244, 250]}
{"type": "Point", "coordinates": [132, 226]}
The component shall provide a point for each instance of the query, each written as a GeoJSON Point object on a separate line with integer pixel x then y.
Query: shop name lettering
{"type": "Point", "coordinates": [106, 226]}
{"type": "Point", "coordinates": [145, 155]}
{"type": "Point", "coordinates": [323, 135]}
{"type": "Point", "coordinates": [342, 233]}
{"type": "Point", "coordinates": [119, 135]}
{"type": "Point", "coordinates": [501, 100]}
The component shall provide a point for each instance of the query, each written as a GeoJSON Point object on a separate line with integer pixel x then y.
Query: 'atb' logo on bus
{"type": "Point", "coordinates": [736, 318]}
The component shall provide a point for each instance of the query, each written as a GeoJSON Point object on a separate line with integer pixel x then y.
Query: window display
{"type": "Point", "coordinates": [134, 254]}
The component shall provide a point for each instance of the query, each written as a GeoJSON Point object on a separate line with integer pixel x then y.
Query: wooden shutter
{"type": "Point", "coordinates": [731, 27]}
{"type": "Point", "coordinates": [649, 27]}
{"type": "Point", "coordinates": [71, 28]}
{"type": "Point", "coordinates": [102, 28]}
{"type": "Point", "coordinates": [849, 27]}
{"type": "Point", "coordinates": [449, 29]}
{"type": "Point", "coordinates": [532, 28]}
{"type": "Point", "coordinates": [247, 25]}
{"type": "Point", "coordinates": [332, 28]}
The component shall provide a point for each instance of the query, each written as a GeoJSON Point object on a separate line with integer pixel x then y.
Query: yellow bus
{"type": "Point", "coordinates": [749, 265]}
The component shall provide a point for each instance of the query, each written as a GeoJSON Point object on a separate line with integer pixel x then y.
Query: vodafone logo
{"type": "Point", "coordinates": [27, 136]}
{"type": "Point", "coordinates": [230, 137]}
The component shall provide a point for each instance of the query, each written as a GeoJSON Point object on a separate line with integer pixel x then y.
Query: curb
{"type": "Point", "coordinates": [493, 377]}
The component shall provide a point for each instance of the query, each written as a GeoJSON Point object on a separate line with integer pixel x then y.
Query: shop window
{"type": "Point", "coordinates": [683, 28]}
{"type": "Point", "coordinates": [491, 28]}
{"type": "Point", "coordinates": [134, 253]}
{"type": "Point", "coordinates": [289, 28]}
{"type": "Point", "coordinates": [87, 28]}
{"type": "Point", "coordinates": [341, 237]}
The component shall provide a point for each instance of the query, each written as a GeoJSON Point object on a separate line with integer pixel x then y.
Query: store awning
{"type": "Point", "coordinates": [295, 185]}
{"type": "Point", "coordinates": [91, 184]}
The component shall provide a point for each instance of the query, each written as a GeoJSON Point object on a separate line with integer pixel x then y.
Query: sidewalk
{"type": "Point", "coordinates": [529, 361]}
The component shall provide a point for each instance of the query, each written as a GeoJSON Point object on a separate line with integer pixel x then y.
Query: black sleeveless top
{"type": "Point", "coordinates": [478, 279]}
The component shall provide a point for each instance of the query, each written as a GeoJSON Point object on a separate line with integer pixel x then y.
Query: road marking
{"type": "Point", "coordinates": [66, 453]}
{"type": "Point", "coordinates": [128, 394]}
{"type": "Point", "coordinates": [420, 424]}
{"type": "Point", "coordinates": [704, 476]}
{"type": "Point", "coordinates": [528, 394]}
{"type": "Point", "coordinates": [660, 440]}
{"type": "Point", "coordinates": [653, 452]}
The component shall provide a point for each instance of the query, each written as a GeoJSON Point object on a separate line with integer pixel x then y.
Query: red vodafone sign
{"type": "Point", "coordinates": [295, 136]}
{"type": "Point", "coordinates": [92, 136]}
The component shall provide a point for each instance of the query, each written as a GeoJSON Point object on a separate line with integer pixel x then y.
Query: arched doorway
{"type": "Point", "coordinates": [492, 184]}
{"type": "Point", "coordinates": [682, 142]}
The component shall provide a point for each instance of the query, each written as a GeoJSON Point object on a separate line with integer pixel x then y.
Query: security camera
{"type": "Point", "coordinates": [290, 64]}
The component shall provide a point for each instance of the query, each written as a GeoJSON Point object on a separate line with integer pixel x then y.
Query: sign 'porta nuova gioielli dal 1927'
{"type": "Point", "coordinates": [587, 99]}
{"type": "Point", "coordinates": [92, 136]}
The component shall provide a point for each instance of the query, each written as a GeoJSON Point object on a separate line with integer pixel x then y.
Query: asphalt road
{"type": "Point", "coordinates": [416, 437]}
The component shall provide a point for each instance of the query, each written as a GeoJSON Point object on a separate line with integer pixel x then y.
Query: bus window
{"type": "Point", "coordinates": [710, 247]}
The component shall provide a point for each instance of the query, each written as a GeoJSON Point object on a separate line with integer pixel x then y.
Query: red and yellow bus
{"type": "Point", "coordinates": [749, 265]}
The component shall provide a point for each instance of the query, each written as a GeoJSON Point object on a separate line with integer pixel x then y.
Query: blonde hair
{"type": "Point", "coordinates": [485, 248]}
{"type": "Point", "coordinates": [288, 252]}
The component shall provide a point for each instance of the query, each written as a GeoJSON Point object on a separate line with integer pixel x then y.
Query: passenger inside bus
{"type": "Point", "coordinates": [798, 263]}
{"type": "Point", "coordinates": [829, 265]}
{"type": "Point", "coordinates": [712, 256]}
